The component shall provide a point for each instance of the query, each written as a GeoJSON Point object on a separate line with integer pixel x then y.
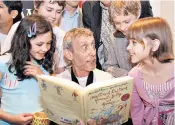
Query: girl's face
{"type": "Point", "coordinates": [51, 11]}
{"type": "Point", "coordinates": [139, 52]}
{"type": "Point", "coordinates": [40, 45]}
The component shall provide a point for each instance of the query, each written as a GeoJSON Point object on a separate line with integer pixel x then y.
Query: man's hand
{"type": "Point", "coordinates": [90, 122]}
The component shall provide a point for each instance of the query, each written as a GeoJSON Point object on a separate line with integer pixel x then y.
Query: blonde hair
{"type": "Point", "coordinates": [73, 34]}
{"type": "Point", "coordinates": [154, 28]}
{"type": "Point", "coordinates": [124, 7]}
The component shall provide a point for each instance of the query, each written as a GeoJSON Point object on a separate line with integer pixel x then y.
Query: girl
{"type": "Point", "coordinates": [151, 48]}
{"type": "Point", "coordinates": [31, 53]}
{"type": "Point", "coordinates": [52, 11]}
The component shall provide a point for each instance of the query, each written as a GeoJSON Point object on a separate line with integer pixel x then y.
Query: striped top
{"type": "Point", "coordinates": [158, 91]}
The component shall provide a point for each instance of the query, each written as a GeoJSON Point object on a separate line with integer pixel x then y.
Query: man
{"type": "Point", "coordinates": [80, 54]}
{"type": "Point", "coordinates": [96, 17]}
{"type": "Point", "coordinates": [72, 16]}
{"type": "Point", "coordinates": [10, 13]}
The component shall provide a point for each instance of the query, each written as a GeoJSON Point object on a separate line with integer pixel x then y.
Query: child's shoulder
{"type": "Point", "coordinates": [134, 71]}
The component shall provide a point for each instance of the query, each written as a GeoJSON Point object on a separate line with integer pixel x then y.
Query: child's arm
{"type": "Point", "coordinates": [21, 119]}
{"type": "Point", "coordinates": [137, 108]}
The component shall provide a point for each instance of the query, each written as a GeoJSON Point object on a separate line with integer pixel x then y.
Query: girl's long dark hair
{"type": "Point", "coordinates": [20, 46]}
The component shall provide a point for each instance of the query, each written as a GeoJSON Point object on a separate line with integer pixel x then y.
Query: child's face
{"type": "Point", "coordinates": [122, 23]}
{"type": "Point", "coordinates": [5, 17]}
{"type": "Point", "coordinates": [139, 52]}
{"type": "Point", "coordinates": [51, 11]}
{"type": "Point", "coordinates": [84, 53]}
{"type": "Point", "coordinates": [40, 45]}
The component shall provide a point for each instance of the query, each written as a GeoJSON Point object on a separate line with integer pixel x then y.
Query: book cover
{"type": "Point", "coordinates": [66, 102]}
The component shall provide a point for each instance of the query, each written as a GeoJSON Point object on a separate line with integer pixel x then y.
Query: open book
{"type": "Point", "coordinates": [66, 102]}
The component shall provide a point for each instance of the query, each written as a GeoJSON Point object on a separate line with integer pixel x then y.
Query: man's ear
{"type": "Point", "coordinates": [68, 54]}
{"type": "Point", "coordinates": [156, 44]}
{"type": "Point", "coordinates": [14, 13]}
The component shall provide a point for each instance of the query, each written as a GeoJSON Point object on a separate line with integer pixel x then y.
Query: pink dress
{"type": "Point", "coordinates": [151, 104]}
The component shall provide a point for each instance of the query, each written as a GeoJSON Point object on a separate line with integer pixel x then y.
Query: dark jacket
{"type": "Point", "coordinates": [92, 14]}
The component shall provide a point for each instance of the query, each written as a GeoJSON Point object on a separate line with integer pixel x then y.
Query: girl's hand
{"type": "Point", "coordinates": [32, 69]}
{"type": "Point", "coordinates": [22, 119]}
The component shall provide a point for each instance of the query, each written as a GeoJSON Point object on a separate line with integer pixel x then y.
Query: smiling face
{"type": "Point", "coordinates": [40, 45]}
{"type": "Point", "coordinates": [139, 51]}
{"type": "Point", "coordinates": [84, 53]}
{"type": "Point", "coordinates": [51, 11]}
{"type": "Point", "coordinates": [123, 22]}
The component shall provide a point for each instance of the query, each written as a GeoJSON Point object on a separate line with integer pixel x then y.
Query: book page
{"type": "Point", "coordinates": [61, 99]}
{"type": "Point", "coordinates": [109, 102]}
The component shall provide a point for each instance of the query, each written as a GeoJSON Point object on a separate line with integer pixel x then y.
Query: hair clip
{"type": "Point", "coordinates": [32, 31]}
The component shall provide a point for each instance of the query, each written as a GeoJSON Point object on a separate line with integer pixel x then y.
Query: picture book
{"type": "Point", "coordinates": [66, 102]}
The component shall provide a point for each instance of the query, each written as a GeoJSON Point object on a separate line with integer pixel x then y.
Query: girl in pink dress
{"type": "Point", "coordinates": [151, 49]}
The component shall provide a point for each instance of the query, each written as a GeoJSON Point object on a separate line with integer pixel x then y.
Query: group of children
{"type": "Point", "coordinates": [36, 49]}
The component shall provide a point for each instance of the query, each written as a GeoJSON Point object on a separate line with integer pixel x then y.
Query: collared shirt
{"type": "Point", "coordinates": [99, 76]}
{"type": "Point", "coordinates": [69, 21]}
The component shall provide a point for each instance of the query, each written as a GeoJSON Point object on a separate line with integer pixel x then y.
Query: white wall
{"type": "Point", "coordinates": [164, 9]}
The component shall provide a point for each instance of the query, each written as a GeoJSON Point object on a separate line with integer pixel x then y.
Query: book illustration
{"type": "Point", "coordinates": [43, 85]}
{"type": "Point", "coordinates": [74, 94]}
{"type": "Point", "coordinates": [115, 101]}
{"type": "Point", "coordinates": [58, 89]}
{"type": "Point", "coordinates": [65, 102]}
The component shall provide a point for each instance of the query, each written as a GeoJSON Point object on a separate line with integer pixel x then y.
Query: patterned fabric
{"type": "Point", "coordinates": [159, 91]}
{"type": "Point", "coordinates": [106, 30]}
{"type": "Point", "coordinates": [116, 57]}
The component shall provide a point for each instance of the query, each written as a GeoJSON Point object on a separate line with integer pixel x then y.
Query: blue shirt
{"type": "Point", "coordinates": [69, 21]}
{"type": "Point", "coordinates": [19, 96]}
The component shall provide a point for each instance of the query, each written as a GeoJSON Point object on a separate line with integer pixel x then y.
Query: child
{"type": "Point", "coordinates": [10, 13]}
{"type": "Point", "coordinates": [151, 48]}
{"type": "Point", "coordinates": [52, 11]}
{"type": "Point", "coordinates": [31, 53]}
{"type": "Point", "coordinates": [122, 14]}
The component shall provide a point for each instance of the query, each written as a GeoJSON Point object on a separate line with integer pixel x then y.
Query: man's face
{"type": "Point", "coordinates": [5, 17]}
{"type": "Point", "coordinates": [51, 11]}
{"type": "Point", "coordinates": [73, 4]}
{"type": "Point", "coordinates": [84, 53]}
{"type": "Point", "coordinates": [122, 23]}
